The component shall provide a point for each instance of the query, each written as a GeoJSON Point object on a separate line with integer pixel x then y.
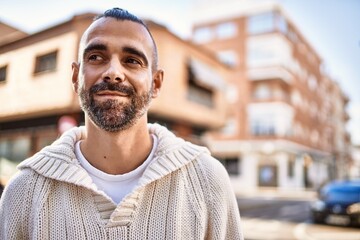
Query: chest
{"type": "Point", "coordinates": [167, 208]}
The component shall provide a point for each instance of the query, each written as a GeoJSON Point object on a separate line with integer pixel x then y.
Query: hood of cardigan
{"type": "Point", "coordinates": [58, 161]}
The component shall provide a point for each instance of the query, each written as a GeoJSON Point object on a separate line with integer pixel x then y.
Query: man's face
{"type": "Point", "coordinates": [114, 78]}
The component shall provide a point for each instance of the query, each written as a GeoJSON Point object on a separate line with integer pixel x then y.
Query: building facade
{"type": "Point", "coordinates": [248, 85]}
{"type": "Point", "coordinates": [355, 165]}
{"type": "Point", "coordinates": [38, 101]}
{"type": "Point", "coordinates": [286, 122]}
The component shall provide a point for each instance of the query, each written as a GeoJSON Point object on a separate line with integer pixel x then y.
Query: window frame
{"type": "Point", "coordinates": [261, 23]}
{"type": "Point", "coordinates": [40, 59]}
{"type": "Point", "coordinates": [232, 164]}
{"type": "Point", "coordinates": [226, 30]}
{"type": "Point", "coordinates": [5, 69]}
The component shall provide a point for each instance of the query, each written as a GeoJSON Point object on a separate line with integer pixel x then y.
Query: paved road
{"type": "Point", "coordinates": [279, 219]}
{"type": "Point", "coordinates": [283, 210]}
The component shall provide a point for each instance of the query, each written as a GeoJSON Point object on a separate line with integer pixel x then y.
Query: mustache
{"type": "Point", "coordinates": [112, 87]}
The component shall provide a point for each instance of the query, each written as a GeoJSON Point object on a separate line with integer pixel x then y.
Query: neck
{"type": "Point", "coordinates": [120, 152]}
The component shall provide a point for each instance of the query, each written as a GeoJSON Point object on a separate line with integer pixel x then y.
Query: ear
{"type": "Point", "coordinates": [75, 75]}
{"type": "Point", "coordinates": [158, 77]}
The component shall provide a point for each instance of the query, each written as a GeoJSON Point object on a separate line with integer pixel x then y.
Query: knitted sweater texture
{"type": "Point", "coordinates": [183, 194]}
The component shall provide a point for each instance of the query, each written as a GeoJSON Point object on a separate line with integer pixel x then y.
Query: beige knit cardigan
{"type": "Point", "coordinates": [183, 194]}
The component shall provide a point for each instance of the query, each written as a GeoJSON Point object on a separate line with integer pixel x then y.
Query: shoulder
{"type": "Point", "coordinates": [16, 196]}
{"type": "Point", "coordinates": [15, 204]}
{"type": "Point", "coordinates": [18, 184]}
{"type": "Point", "coordinates": [215, 178]}
{"type": "Point", "coordinates": [21, 188]}
{"type": "Point", "coordinates": [212, 168]}
{"type": "Point", "coordinates": [210, 174]}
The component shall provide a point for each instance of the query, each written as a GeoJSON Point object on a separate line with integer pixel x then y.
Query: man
{"type": "Point", "coordinates": [119, 177]}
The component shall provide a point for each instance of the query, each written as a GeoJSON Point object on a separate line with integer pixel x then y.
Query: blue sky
{"type": "Point", "coordinates": [331, 26]}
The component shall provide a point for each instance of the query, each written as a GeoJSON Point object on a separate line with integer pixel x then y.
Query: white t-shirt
{"type": "Point", "coordinates": [115, 186]}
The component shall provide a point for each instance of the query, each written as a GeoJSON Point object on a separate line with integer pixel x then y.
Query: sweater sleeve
{"type": "Point", "coordinates": [13, 204]}
{"type": "Point", "coordinates": [224, 216]}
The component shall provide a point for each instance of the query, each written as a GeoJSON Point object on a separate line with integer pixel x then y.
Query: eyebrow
{"type": "Point", "coordinates": [134, 51]}
{"type": "Point", "coordinates": [126, 49]}
{"type": "Point", "coordinates": [94, 46]}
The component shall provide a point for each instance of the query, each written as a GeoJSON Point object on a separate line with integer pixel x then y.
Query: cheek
{"type": "Point", "coordinates": [81, 83]}
{"type": "Point", "coordinates": [143, 81]}
{"type": "Point", "coordinates": [88, 77]}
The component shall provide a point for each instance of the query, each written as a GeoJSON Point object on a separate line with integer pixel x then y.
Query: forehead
{"type": "Point", "coordinates": [117, 33]}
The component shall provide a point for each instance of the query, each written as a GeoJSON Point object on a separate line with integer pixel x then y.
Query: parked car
{"type": "Point", "coordinates": [338, 203]}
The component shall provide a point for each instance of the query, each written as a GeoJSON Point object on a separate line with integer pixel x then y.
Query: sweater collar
{"type": "Point", "coordinates": [58, 161]}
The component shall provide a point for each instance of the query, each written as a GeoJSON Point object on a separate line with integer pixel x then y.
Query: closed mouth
{"type": "Point", "coordinates": [111, 93]}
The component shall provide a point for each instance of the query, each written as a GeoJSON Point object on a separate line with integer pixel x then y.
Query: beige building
{"type": "Point", "coordinates": [249, 86]}
{"type": "Point", "coordinates": [38, 101]}
{"type": "Point", "coordinates": [286, 118]}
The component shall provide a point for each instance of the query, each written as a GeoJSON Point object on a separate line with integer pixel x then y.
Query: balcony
{"type": "Point", "coordinates": [270, 119]}
{"type": "Point", "coordinates": [257, 74]}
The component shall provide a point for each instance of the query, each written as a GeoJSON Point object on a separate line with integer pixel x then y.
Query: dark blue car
{"type": "Point", "coordinates": [338, 203]}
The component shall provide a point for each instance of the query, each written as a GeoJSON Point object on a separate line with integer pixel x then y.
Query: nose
{"type": "Point", "coordinates": [114, 71]}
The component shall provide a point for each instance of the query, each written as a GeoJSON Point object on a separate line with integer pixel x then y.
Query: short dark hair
{"type": "Point", "coordinates": [121, 15]}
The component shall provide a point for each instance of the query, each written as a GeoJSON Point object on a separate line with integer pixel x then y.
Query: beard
{"type": "Point", "coordinates": [112, 115]}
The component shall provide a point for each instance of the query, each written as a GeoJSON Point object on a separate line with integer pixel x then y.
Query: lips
{"type": "Point", "coordinates": [111, 93]}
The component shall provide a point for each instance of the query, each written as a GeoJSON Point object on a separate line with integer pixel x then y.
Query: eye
{"type": "Point", "coordinates": [133, 61]}
{"type": "Point", "coordinates": [94, 58]}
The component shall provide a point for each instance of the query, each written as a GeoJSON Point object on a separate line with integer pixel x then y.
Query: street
{"type": "Point", "coordinates": [284, 219]}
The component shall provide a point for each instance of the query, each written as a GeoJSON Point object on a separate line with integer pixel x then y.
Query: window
{"type": "Point", "coordinates": [281, 24]}
{"type": "Point", "coordinates": [231, 164]}
{"type": "Point", "coordinates": [296, 98]}
{"type": "Point", "coordinates": [267, 176]}
{"type": "Point", "coordinates": [12, 151]}
{"type": "Point", "coordinates": [228, 57]}
{"type": "Point", "coordinates": [312, 82]}
{"type": "Point", "coordinates": [261, 23]}
{"type": "Point", "coordinates": [226, 30]}
{"type": "Point", "coordinates": [258, 54]}
{"type": "Point", "coordinates": [46, 63]}
{"type": "Point", "coordinates": [268, 50]}
{"type": "Point", "coordinates": [262, 127]}
{"type": "Point", "coordinates": [202, 35]}
{"type": "Point", "coordinates": [270, 119]}
{"type": "Point", "coordinates": [230, 127]}
{"type": "Point", "coordinates": [16, 149]}
{"type": "Point", "coordinates": [3, 71]}
{"type": "Point", "coordinates": [262, 91]}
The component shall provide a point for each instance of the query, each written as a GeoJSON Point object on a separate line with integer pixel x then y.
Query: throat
{"type": "Point", "coordinates": [117, 154]}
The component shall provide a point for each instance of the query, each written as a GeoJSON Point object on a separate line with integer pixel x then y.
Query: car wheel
{"type": "Point", "coordinates": [355, 222]}
{"type": "Point", "coordinates": [318, 219]}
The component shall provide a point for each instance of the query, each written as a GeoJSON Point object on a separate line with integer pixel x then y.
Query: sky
{"type": "Point", "coordinates": [332, 27]}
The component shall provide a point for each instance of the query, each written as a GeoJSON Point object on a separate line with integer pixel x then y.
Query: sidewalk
{"type": "Point", "coordinates": [275, 193]}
